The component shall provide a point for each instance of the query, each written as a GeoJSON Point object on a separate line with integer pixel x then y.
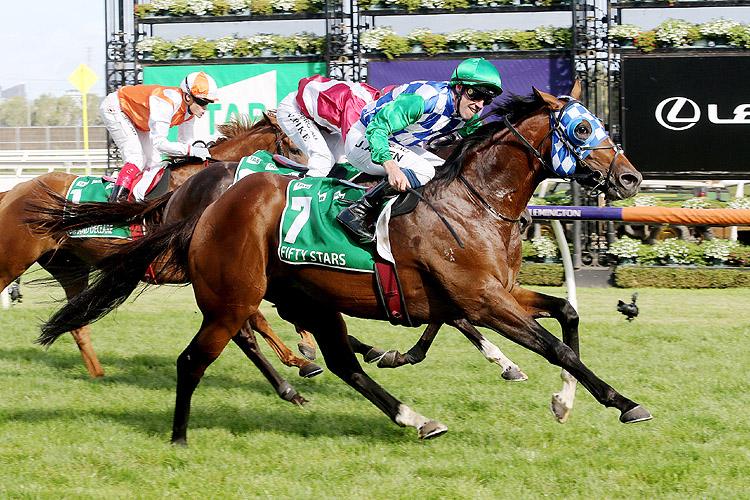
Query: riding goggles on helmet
{"type": "Point", "coordinates": [478, 93]}
{"type": "Point", "coordinates": [201, 102]}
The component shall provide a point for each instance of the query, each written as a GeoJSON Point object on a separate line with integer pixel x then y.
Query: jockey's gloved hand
{"type": "Point", "coordinates": [201, 153]}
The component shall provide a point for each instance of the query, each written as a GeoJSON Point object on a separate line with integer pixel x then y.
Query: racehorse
{"type": "Point", "coordinates": [19, 248]}
{"type": "Point", "coordinates": [481, 192]}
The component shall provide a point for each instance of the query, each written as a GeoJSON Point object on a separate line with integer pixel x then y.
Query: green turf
{"type": "Point", "coordinates": [685, 358]}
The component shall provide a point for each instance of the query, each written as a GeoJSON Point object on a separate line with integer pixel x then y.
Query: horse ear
{"type": "Point", "coordinates": [576, 92]}
{"type": "Point", "coordinates": [551, 100]}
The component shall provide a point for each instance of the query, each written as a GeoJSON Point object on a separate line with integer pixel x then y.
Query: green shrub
{"type": "Point", "coordinates": [541, 274]}
{"type": "Point", "coordinates": [680, 277]}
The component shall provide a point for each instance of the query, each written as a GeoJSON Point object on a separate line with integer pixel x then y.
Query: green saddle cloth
{"type": "Point", "coordinates": [310, 233]}
{"type": "Point", "coordinates": [262, 161]}
{"type": "Point", "coordinates": [91, 188]}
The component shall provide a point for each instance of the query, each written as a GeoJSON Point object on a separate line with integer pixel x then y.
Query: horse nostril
{"type": "Point", "coordinates": [630, 181]}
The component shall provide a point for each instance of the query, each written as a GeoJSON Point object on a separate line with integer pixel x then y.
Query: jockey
{"type": "Point", "coordinates": [317, 116]}
{"type": "Point", "coordinates": [387, 139]}
{"type": "Point", "coordinates": [138, 117]}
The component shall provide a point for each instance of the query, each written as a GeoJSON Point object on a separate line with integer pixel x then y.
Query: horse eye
{"type": "Point", "coordinates": [582, 130]}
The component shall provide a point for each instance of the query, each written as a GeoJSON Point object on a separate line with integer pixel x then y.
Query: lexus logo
{"type": "Point", "coordinates": [668, 111]}
{"type": "Point", "coordinates": [681, 113]}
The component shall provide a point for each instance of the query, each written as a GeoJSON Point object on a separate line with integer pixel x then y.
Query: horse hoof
{"type": "Point", "coordinates": [307, 351]}
{"type": "Point", "coordinates": [298, 400]}
{"type": "Point", "coordinates": [431, 430]}
{"type": "Point", "coordinates": [514, 374]}
{"type": "Point", "coordinates": [180, 442]}
{"type": "Point", "coordinates": [388, 360]}
{"type": "Point", "coordinates": [374, 355]}
{"type": "Point", "coordinates": [633, 415]}
{"type": "Point", "coordinates": [310, 370]}
{"type": "Point", "coordinates": [559, 410]}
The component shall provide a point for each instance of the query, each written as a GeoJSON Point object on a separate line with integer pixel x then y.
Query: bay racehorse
{"type": "Point", "coordinates": [481, 191]}
{"type": "Point", "coordinates": [19, 248]}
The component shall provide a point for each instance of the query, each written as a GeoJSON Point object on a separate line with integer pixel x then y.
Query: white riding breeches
{"type": "Point", "coordinates": [135, 145]}
{"type": "Point", "coordinates": [418, 160]}
{"type": "Point", "coordinates": [323, 149]}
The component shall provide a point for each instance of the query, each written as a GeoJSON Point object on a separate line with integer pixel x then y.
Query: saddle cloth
{"type": "Point", "coordinates": [90, 188]}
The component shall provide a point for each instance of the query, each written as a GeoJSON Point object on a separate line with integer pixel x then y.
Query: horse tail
{"type": "Point", "coordinates": [118, 274]}
{"type": "Point", "coordinates": [55, 215]}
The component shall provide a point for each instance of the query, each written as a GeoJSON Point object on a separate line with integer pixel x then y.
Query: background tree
{"type": "Point", "coordinates": [55, 111]}
{"type": "Point", "coordinates": [14, 112]}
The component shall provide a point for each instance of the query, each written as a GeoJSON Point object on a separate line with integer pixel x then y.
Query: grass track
{"type": "Point", "coordinates": [685, 358]}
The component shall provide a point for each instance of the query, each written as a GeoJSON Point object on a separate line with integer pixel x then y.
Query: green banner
{"type": "Point", "coordinates": [243, 88]}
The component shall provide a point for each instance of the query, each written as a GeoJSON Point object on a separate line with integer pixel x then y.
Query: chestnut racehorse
{"type": "Point", "coordinates": [481, 191]}
{"type": "Point", "coordinates": [19, 248]}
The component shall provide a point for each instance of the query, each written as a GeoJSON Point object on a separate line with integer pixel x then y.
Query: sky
{"type": "Point", "coordinates": [42, 43]}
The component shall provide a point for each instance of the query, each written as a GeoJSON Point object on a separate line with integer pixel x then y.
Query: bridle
{"type": "Point", "coordinates": [578, 153]}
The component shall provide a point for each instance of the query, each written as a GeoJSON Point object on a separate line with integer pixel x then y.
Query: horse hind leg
{"type": "Point", "coordinates": [245, 339]}
{"type": "Point", "coordinates": [329, 330]}
{"type": "Point", "coordinates": [306, 368]}
{"type": "Point", "coordinates": [57, 265]}
{"type": "Point", "coordinates": [306, 346]}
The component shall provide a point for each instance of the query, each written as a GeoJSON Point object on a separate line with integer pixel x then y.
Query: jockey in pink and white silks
{"type": "Point", "coordinates": [317, 116]}
{"type": "Point", "coordinates": [138, 117]}
{"type": "Point", "coordinates": [388, 138]}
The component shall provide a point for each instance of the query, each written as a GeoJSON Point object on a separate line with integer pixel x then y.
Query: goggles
{"type": "Point", "coordinates": [201, 102]}
{"type": "Point", "coordinates": [479, 94]}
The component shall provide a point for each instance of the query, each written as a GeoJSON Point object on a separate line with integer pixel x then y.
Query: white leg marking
{"type": "Point", "coordinates": [495, 355]}
{"type": "Point", "coordinates": [407, 417]}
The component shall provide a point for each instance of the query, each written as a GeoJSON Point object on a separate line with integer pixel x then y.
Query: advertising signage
{"type": "Point", "coordinates": [246, 89]}
{"type": "Point", "coordinates": [687, 117]}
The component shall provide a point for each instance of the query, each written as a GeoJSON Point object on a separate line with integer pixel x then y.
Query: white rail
{"type": "Point", "coordinates": [17, 166]}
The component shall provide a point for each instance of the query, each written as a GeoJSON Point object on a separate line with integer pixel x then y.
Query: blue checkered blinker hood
{"type": "Point", "coordinates": [567, 149]}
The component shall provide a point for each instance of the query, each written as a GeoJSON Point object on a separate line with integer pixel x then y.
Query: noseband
{"type": "Point", "coordinates": [578, 152]}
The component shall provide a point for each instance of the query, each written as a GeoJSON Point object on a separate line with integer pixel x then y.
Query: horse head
{"type": "Point", "coordinates": [580, 148]}
{"type": "Point", "coordinates": [242, 137]}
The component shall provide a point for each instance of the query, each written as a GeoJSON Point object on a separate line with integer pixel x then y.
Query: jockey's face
{"type": "Point", "coordinates": [468, 108]}
{"type": "Point", "coordinates": [194, 106]}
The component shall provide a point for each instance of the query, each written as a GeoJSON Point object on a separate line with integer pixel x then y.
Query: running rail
{"type": "Point", "coordinates": [655, 215]}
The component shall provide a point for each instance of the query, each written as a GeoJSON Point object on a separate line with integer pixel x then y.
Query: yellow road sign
{"type": "Point", "coordinates": [83, 78]}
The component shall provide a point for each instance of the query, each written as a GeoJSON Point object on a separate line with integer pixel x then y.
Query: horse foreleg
{"type": "Point", "coordinates": [307, 368]}
{"type": "Point", "coordinates": [329, 330]}
{"type": "Point", "coordinates": [245, 339]}
{"type": "Point", "coordinates": [82, 336]}
{"type": "Point", "coordinates": [511, 371]}
{"type": "Point", "coordinates": [539, 305]}
{"type": "Point", "coordinates": [306, 346]}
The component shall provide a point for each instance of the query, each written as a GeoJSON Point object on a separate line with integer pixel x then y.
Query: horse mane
{"type": "Point", "coordinates": [514, 107]}
{"type": "Point", "coordinates": [237, 126]}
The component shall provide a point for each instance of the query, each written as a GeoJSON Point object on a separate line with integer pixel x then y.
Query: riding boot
{"type": "Point", "coordinates": [354, 217]}
{"type": "Point", "coordinates": [125, 178]}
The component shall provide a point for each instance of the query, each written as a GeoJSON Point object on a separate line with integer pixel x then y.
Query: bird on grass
{"type": "Point", "coordinates": [629, 310]}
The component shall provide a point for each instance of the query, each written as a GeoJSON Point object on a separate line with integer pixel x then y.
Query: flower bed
{"type": "Point", "coordinates": [177, 8]}
{"type": "Point", "coordinates": [386, 41]}
{"type": "Point", "coordinates": [158, 49]}
{"type": "Point", "coordinates": [679, 33]}
{"type": "Point", "coordinates": [715, 252]}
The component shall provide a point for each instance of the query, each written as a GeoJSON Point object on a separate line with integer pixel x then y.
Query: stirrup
{"type": "Point", "coordinates": [119, 193]}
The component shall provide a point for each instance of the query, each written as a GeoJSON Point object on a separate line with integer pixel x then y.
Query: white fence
{"type": "Point", "coordinates": [17, 166]}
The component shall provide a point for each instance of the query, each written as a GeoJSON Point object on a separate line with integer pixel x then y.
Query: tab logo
{"type": "Point", "coordinates": [301, 185]}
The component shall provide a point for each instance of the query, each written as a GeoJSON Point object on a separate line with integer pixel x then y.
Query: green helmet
{"type": "Point", "coordinates": [478, 72]}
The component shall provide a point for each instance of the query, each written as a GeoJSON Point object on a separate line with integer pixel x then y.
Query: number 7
{"type": "Point", "coordinates": [301, 204]}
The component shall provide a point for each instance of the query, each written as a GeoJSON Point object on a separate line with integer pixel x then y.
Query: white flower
{"type": "Point", "coordinates": [697, 202]}
{"type": "Point", "coordinates": [625, 248]}
{"type": "Point", "coordinates": [148, 44]}
{"type": "Point", "coordinates": [545, 246]}
{"type": "Point", "coordinates": [466, 35]}
{"type": "Point", "coordinates": [719, 249]}
{"type": "Point", "coordinates": [187, 42]}
{"type": "Point", "coordinates": [200, 7]}
{"type": "Point", "coordinates": [739, 204]}
{"type": "Point", "coordinates": [673, 32]}
{"type": "Point", "coordinates": [372, 38]}
{"type": "Point", "coordinates": [718, 27]}
{"type": "Point", "coordinates": [624, 31]}
{"type": "Point", "coordinates": [161, 5]}
{"type": "Point", "coordinates": [260, 41]}
{"type": "Point", "coordinates": [225, 44]}
{"type": "Point", "coordinates": [432, 4]}
{"type": "Point", "coordinates": [675, 249]}
{"type": "Point", "coordinates": [418, 34]}
{"type": "Point", "coordinates": [503, 35]}
{"type": "Point", "coordinates": [236, 5]}
{"type": "Point", "coordinates": [644, 200]}
{"type": "Point", "coordinates": [545, 34]}
{"type": "Point", "coordinates": [284, 5]}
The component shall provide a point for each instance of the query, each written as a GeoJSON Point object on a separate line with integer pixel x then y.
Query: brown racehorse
{"type": "Point", "coordinates": [19, 248]}
{"type": "Point", "coordinates": [481, 192]}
